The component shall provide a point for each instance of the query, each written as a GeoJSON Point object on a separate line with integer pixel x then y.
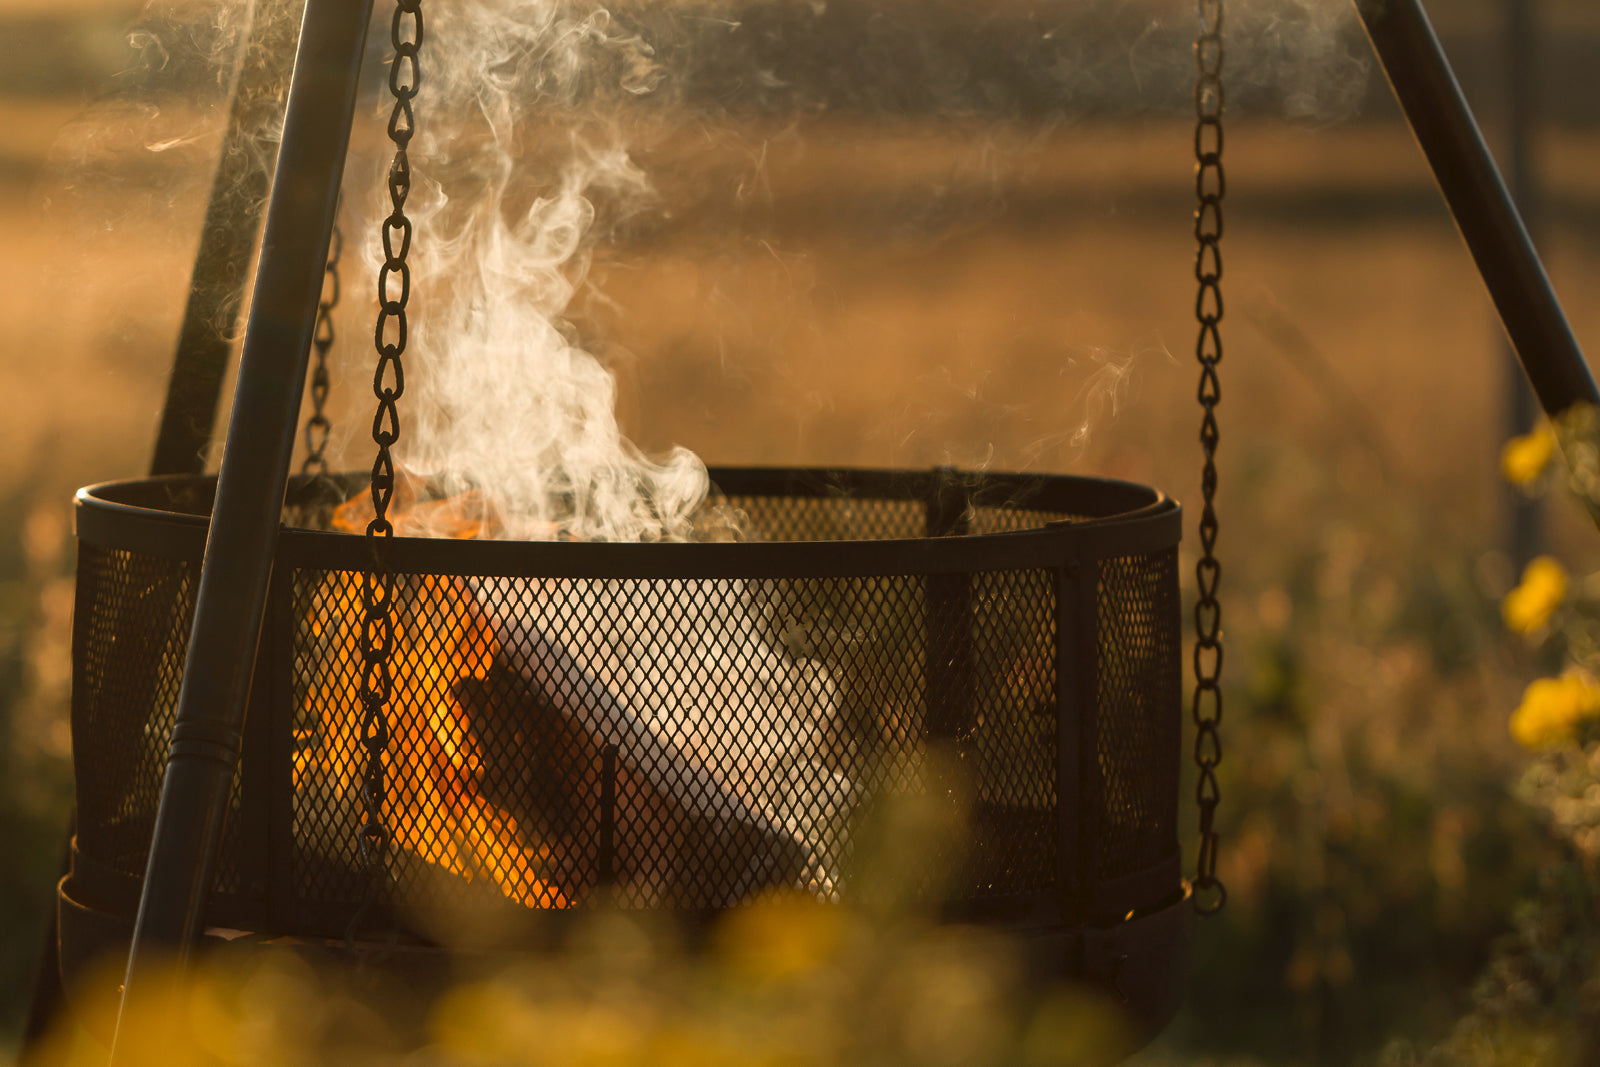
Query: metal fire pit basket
{"type": "Point", "coordinates": [673, 726]}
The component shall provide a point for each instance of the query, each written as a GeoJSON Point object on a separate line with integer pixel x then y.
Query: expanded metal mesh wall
{"type": "Point", "coordinates": [747, 721]}
{"type": "Point", "coordinates": [681, 742]}
{"type": "Point", "coordinates": [835, 518]}
{"type": "Point", "coordinates": [131, 630]}
{"type": "Point", "coordinates": [1139, 683]}
{"type": "Point", "coordinates": [131, 622]}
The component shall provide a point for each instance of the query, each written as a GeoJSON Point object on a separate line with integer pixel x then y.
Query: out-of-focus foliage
{"type": "Point", "coordinates": [1371, 847]}
{"type": "Point", "coordinates": [1528, 607]}
{"type": "Point", "coordinates": [35, 607]}
{"type": "Point", "coordinates": [1526, 456]}
{"type": "Point", "coordinates": [1553, 709]}
{"type": "Point", "coordinates": [783, 981]}
{"type": "Point", "coordinates": [1538, 1000]}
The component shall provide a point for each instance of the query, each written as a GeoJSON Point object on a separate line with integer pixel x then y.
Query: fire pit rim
{"type": "Point", "coordinates": [1150, 520]}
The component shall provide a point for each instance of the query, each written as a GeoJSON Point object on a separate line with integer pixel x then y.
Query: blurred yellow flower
{"type": "Point", "coordinates": [1543, 587]}
{"type": "Point", "coordinates": [780, 935]}
{"type": "Point", "coordinates": [1552, 708]}
{"type": "Point", "coordinates": [1524, 458]}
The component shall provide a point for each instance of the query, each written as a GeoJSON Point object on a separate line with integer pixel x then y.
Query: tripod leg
{"type": "Point", "coordinates": [237, 568]}
{"type": "Point", "coordinates": [1433, 103]}
{"type": "Point", "coordinates": [227, 238]}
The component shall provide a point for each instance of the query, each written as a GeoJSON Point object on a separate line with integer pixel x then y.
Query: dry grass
{"type": "Point", "coordinates": [907, 297]}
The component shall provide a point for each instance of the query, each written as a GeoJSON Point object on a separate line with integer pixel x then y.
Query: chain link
{"type": "Point", "coordinates": [1210, 187]}
{"type": "Point", "coordinates": [317, 425]}
{"type": "Point", "coordinates": [388, 384]}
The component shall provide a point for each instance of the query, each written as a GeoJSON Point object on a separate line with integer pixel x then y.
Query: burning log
{"type": "Point", "coordinates": [713, 739]}
{"type": "Point", "coordinates": [740, 732]}
{"type": "Point", "coordinates": [437, 809]}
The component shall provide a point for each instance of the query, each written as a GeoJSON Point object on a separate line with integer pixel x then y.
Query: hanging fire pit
{"type": "Point", "coordinates": [284, 728]}
{"type": "Point", "coordinates": [672, 727]}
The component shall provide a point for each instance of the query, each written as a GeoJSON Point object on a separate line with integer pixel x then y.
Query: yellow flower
{"type": "Point", "coordinates": [1543, 587]}
{"type": "Point", "coordinates": [1524, 458]}
{"type": "Point", "coordinates": [780, 935]}
{"type": "Point", "coordinates": [1552, 708]}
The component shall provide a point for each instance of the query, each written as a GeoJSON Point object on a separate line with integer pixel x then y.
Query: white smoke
{"type": "Point", "coordinates": [514, 165]}
{"type": "Point", "coordinates": [1302, 60]}
{"type": "Point", "coordinates": [1310, 53]}
{"type": "Point", "coordinates": [520, 167]}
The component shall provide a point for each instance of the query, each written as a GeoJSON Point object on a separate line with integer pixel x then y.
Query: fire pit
{"type": "Point", "coordinates": [677, 726]}
{"type": "Point", "coordinates": [671, 728]}
{"type": "Point", "coordinates": [730, 698]}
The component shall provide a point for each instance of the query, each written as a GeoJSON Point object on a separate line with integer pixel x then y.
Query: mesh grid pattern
{"type": "Point", "coordinates": [987, 520]}
{"type": "Point", "coordinates": [125, 695]}
{"type": "Point", "coordinates": [678, 742]}
{"type": "Point", "coordinates": [748, 719]}
{"type": "Point", "coordinates": [1014, 733]}
{"type": "Point", "coordinates": [132, 618]}
{"type": "Point", "coordinates": [1138, 723]}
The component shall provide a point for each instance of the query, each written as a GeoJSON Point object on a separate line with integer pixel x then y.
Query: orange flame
{"type": "Point", "coordinates": [465, 516]}
{"type": "Point", "coordinates": [435, 805]}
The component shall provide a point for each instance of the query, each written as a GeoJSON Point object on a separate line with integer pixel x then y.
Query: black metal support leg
{"type": "Point", "coordinates": [1434, 105]}
{"type": "Point", "coordinates": [222, 264]}
{"type": "Point", "coordinates": [237, 568]}
{"type": "Point", "coordinates": [221, 268]}
{"type": "Point", "coordinates": [1524, 513]}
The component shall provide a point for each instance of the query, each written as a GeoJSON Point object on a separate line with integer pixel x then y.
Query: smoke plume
{"type": "Point", "coordinates": [517, 167]}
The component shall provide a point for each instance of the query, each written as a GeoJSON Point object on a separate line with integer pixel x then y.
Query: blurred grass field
{"type": "Point", "coordinates": [902, 292]}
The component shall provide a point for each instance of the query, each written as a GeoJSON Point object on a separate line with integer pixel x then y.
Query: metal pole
{"type": "Point", "coordinates": [221, 267]}
{"type": "Point", "coordinates": [236, 570]}
{"type": "Point", "coordinates": [222, 263]}
{"type": "Point", "coordinates": [1428, 93]}
{"type": "Point", "coordinates": [1524, 519]}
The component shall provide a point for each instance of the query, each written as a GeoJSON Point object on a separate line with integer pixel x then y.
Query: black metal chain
{"type": "Point", "coordinates": [317, 425]}
{"type": "Point", "coordinates": [1210, 186]}
{"type": "Point", "coordinates": [388, 384]}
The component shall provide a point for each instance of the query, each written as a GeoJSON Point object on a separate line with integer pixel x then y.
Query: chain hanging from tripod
{"type": "Point", "coordinates": [388, 384]}
{"type": "Point", "coordinates": [317, 425]}
{"type": "Point", "coordinates": [1210, 187]}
